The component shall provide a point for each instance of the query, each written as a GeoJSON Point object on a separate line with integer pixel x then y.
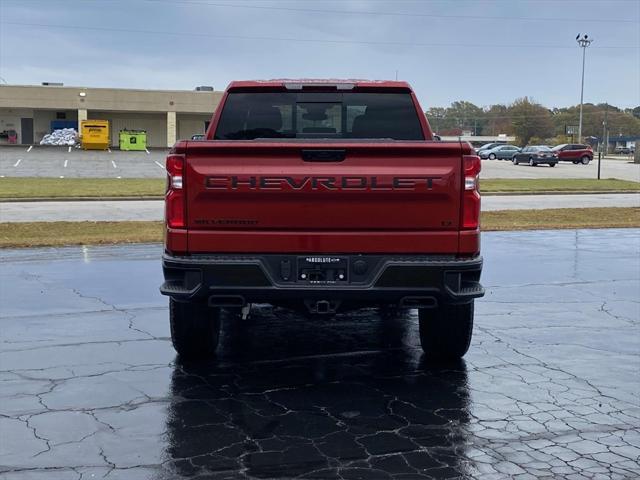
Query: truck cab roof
{"type": "Point", "coordinates": [301, 83]}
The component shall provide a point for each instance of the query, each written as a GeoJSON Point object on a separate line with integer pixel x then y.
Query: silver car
{"type": "Point", "coordinates": [487, 146]}
{"type": "Point", "coordinates": [502, 152]}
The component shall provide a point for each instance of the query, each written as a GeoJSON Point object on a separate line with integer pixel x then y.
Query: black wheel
{"type": "Point", "coordinates": [552, 164]}
{"type": "Point", "coordinates": [492, 156]}
{"type": "Point", "coordinates": [576, 162]}
{"type": "Point", "coordinates": [531, 162]}
{"type": "Point", "coordinates": [446, 332]}
{"type": "Point", "coordinates": [585, 160]}
{"type": "Point", "coordinates": [514, 161]}
{"type": "Point", "coordinates": [195, 329]}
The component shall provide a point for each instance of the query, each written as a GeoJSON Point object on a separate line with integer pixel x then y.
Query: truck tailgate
{"type": "Point", "coordinates": [256, 191]}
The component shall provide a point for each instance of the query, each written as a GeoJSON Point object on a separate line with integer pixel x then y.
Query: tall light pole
{"type": "Point", "coordinates": [584, 42]}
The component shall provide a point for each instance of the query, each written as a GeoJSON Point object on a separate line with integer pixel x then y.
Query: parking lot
{"type": "Point", "coordinates": [69, 163]}
{"type": "Point", "coordinates": [73, 163]}
{"type": "Point", "coordinates": [550, 387]}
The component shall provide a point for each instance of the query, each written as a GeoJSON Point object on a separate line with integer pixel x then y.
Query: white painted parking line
{"type": "Point", "coordinates": [69, 149]}
{"type": "Point", "coordinates": [17, 163]}
{"type": "Point", "coordinates": [30, 147]}
{"type": "Point", "coordinates": [114, 164]}
{"type": "Point", "coordinates": [65, 163]}
{"type": "Point", "coordinates": [148, 153]}
{"type": "Point", "coordinates": [159, 164]}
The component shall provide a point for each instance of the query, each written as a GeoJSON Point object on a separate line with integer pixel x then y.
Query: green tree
{"type": "Point", "coordinates": [497, 121]}
{"type": "Point", "coordinates": [437, 118]}
{"type": "Point", "coordinates": [462, 114]}
{"type": "Point", "coordinates": [619, 122]}
{"type": "Point", "coordinates": [526, 119]}
{"type": "Point", "coordinates": [530, 119]}
{"type": "Point", "coordinates": [469, 116]}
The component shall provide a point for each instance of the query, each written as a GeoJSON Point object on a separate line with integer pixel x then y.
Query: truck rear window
{"type": "Point", "coordinates": [249, 116]}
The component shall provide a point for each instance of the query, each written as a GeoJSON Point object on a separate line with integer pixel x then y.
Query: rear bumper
{"type": "Point", "coordinates": [404, 280]}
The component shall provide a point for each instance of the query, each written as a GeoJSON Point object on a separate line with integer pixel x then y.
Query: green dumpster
{"type": "Point", "coordinates": [133, 140]}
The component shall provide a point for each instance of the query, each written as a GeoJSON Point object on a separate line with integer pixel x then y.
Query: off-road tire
{"type": "Point", "coordinates": [445, 332]}
{"type": "Point", "coordinates": [195, 329]}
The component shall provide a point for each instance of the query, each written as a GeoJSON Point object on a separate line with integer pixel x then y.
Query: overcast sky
{"type": "Point", "coordinates": [482, 51]}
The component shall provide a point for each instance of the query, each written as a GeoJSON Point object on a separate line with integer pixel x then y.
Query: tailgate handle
{"type": "Point", "coordinates": [323, 155]}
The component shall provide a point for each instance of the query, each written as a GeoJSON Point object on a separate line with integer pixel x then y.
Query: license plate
{"type": "Point", "coordinates": [323, 269]}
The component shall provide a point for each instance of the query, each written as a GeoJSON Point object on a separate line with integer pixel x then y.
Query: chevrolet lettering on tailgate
{"type": "Point", "coordinates": [317, 183]}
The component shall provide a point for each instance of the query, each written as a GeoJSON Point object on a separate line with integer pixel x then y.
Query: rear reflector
{"type": "Point", "coordinates": [174, 203]}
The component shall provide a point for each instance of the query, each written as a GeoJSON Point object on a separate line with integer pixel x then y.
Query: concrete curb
{"type": "Point", "coordinates": [558, 192]}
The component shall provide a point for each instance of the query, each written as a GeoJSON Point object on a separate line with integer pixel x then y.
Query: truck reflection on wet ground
{"type": "Point", "coordinates": [283, 404]}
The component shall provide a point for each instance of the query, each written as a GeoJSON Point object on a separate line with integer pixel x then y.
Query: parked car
{"type": "Point", "coordinates": [573, 152]}
{"type": "Point", "coordinates": [535, 155]}
{"type": "Point", "coordinates": [624, 150]}
{"type": "Point", "coordinates": [487, 146]}
{"type": "Point", "coordinates": [501, 152]}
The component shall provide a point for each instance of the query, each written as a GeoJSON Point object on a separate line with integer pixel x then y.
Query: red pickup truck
{"type": "Point", "coordinates": [322, 196]}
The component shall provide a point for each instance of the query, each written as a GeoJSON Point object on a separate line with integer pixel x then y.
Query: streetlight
{"type": "Point", "coordinates": [584, 42]}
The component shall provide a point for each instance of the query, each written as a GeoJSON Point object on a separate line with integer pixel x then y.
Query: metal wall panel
{"type": "Point", "coordinates": [188, 128]}
{"type": "Point", "coordinates": [154, 125]}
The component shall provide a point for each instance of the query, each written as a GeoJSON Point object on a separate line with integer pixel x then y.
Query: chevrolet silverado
{"type": "Point", "coordinates": [321, 196]}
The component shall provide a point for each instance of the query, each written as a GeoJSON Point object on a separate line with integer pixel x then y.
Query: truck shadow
{"type": "Point", "coordinates": [350, 397]}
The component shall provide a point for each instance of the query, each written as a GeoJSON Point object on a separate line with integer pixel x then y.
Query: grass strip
{"type": "Point", "coordinates": [41, 234]}
{"type": "Point", "coordinates": [54, 234]}
{"type": "Point", "coordinates": [63, 188]}
{"type": "Point", "coordinates": [561, 218]}
{"type": "Point", "coordinates": [568, 185]}
{"type": "Point", "coordinates": [69, 188]}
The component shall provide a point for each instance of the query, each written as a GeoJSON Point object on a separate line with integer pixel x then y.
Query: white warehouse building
{"type": "Point", "coordinates": [32, 111]}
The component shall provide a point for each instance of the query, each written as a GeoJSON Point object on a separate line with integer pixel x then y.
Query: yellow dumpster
{"type": "Point", "coordinates": [94, 134]}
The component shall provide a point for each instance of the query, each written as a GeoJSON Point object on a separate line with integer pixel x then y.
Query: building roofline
{"type": "Point", "coordinates": [72, 87]}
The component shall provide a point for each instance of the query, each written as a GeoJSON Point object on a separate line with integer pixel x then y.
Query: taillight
{"type": "Point", "coordinates": [174, 199]}
{"type": "Point", "coordinates": [471, 194]}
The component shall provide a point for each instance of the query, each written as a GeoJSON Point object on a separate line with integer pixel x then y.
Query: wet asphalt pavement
{"type": "Point", "coordinates": [91, 387]}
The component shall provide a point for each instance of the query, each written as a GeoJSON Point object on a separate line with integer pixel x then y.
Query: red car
{"type": "Point", "coordinates": [322, 196]}
{"type": "Point", "coordinates": [573, 152]}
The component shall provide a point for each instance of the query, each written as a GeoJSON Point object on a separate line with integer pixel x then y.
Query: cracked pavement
{"type": "Point", "coordinates": [91, 387]}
